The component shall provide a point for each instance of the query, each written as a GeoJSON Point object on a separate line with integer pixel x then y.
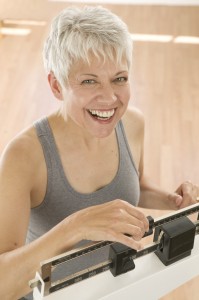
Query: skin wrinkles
{"type": "Point", "coordinates": [99, 94]}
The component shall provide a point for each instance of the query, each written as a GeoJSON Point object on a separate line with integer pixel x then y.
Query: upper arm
{"type": "Point", "coordinates": [15, 186]}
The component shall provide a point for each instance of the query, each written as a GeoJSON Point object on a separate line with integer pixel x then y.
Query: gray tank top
{"type": "Point", "coordinates": [61, 200]}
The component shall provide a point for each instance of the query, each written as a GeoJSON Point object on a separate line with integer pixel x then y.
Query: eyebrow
{"type": "Point", "coordinates": [120, 72]}
{"type": "Point", "coordinates": [90, 74]}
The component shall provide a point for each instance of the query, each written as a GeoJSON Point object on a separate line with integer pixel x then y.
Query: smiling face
{"type": "Point", "coordinates": [97, 95]}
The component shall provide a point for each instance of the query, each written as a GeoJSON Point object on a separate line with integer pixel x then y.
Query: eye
{"type": "Point", "coordinates": [88, 81]}
{"type": "Point", "coordinates": [122, 79]}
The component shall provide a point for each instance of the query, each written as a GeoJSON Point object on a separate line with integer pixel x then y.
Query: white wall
{"type": "Point", "coordinates": [159, 2]}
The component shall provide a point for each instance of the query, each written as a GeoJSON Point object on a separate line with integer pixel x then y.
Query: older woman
{"type": "Point", "coordinates": [77, 174]}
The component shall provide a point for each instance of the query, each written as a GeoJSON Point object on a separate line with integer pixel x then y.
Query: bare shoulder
{"type": "Point", "coordinates": [22, 144]}
{"type": "Point", "coordinates": [18, 169]}
{"type": "Point", "coordinates": [133, 122]}
{"type": "Point", "coordinates": [22, 152]}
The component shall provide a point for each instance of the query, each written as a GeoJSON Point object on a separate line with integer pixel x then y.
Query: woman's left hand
{"type": "Point", "coordinates": [186, 194]}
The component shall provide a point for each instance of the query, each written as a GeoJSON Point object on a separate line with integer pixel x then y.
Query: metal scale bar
{"type": "Point", "coordinates": [153, 224]}
{"type": "Point", "coordinates": [97, 269]}
{"type": "Point", "coordinates": [176, 215]}
{"type": "Point", "coordinates": [105, 266]}
{"type": "Point", "coordinates": [48, 265]}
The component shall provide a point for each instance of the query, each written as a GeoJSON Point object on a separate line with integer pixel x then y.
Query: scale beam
{"type": "Point", "coordinates": [173, 231]}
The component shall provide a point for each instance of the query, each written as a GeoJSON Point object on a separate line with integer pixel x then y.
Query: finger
{"type": "Point", "coordinates": [187, 193]}
{"type": "Point", "coordinates": [132, 231]}
{"type": "Point", "coordinates": [128, 241]}
{"type": "Point", "coordinates": [177, 199]}
{"type": "Point", "coordinates": [128, 220]}
{"type": "Point", "coordinates": [195, 189]}
{"type": "Point", "coordinates": [184, 187]}
{"type": "Point", "coordinates": [187, 188]}
{"type": "Point", "coordinates": [137, 215]}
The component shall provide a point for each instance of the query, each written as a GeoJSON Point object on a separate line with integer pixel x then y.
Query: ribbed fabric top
{"type": "Point", "coordinates": [61, 200]}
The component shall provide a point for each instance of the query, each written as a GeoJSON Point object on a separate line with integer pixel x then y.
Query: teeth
{"type": "Point", "coordinates": [102, 114]}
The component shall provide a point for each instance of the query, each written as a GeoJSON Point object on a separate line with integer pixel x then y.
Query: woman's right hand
{"type": "Point", "coordinates": [116, 221]}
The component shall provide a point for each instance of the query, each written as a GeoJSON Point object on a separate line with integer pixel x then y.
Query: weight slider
{"type": "Point", "coordinates": [177, 240]}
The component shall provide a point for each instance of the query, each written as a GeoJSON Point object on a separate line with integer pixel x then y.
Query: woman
{"type": "Point", "coordinates": [78, 174]}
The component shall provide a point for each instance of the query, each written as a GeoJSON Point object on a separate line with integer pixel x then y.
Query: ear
{"type": "Point", "coordinates": [55, 86]}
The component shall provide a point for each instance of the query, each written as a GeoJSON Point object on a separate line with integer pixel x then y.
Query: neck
{"type": "Point", "coordinates": [71, 131]}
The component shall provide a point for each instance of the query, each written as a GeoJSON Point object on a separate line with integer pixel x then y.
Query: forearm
{"type": "Point", "coordinates": [153, 197]}
{"type": "Point", "coordinates": [20, 265]}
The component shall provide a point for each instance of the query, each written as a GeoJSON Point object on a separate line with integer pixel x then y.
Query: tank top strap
{"type": "Point", "coordinates": [47, 141]}
{"type": "Point", "coordinates": [124, 145]}
{"type": "Point", "coordinates": [50, 151]}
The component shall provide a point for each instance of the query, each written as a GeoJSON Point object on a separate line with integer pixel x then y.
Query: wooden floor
{"type": "Point", "coordinates": [165, 86]}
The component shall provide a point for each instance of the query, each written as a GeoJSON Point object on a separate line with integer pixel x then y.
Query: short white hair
{"type": "Point", "coordinates": [76, 33]}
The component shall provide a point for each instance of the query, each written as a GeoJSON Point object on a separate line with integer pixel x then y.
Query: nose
{"type": "Point", "coordinates": [107, 95]}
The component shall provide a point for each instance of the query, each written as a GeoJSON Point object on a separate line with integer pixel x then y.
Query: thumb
{"type": "Point", "coordinates": [178, 200]}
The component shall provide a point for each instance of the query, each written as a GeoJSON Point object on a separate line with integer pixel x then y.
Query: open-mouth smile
{"type": "Point", "coordinates": [102, 114]}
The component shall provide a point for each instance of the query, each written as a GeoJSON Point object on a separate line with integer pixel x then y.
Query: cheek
{"type": "Point", "coordinates": [82, 97]}
{"type": "Point", "coordinates": [77, 105]}
{"type": "Point", "coordinates": [125, 95]}
{"type": "Point", "coordinates": [74, 100]}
